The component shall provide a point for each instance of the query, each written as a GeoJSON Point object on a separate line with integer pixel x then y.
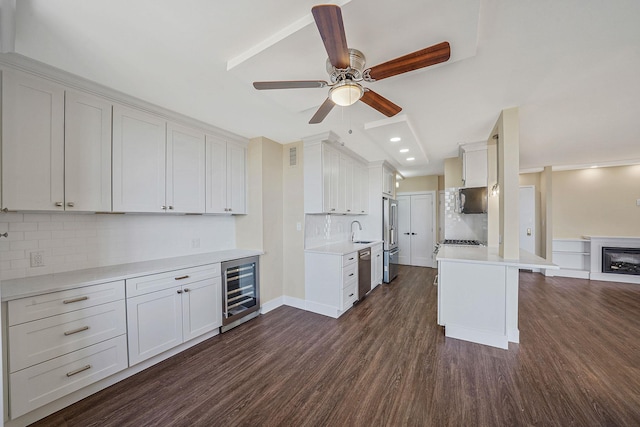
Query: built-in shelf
{"type": "Point", "coordinates": [573, 256]}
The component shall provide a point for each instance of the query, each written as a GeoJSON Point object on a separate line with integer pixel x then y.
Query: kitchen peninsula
{"type": "Point", "coordinates": [478, 293]}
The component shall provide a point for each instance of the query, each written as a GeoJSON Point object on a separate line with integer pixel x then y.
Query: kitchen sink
{"type": "Point", "coordinates": [363, 242]}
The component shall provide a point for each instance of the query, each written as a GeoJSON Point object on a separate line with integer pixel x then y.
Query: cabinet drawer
{"type": "Point", "coordinates": [349, 273]}
{"type": "Point", "coordinates": [35, 342]}
{"type": "Point", "coordinates": [349, 295]}
{"type": "Point", "coordinates": [43, 383]}
{"type": "Point", "coordinates": [46, 305]}
{"type": "Point", "coordinates": [158, 282]}
{"type": "Point", "coordinates": [348, 259]}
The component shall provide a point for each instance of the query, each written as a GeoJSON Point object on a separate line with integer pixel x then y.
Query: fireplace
{"type": "Point", "coordinates": [621, 260]}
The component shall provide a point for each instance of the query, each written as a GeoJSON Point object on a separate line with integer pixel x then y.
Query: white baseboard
{"type": "Point", "coordinates": [295, 302]}
{"type": "Point", "coordinates": [612, 277]}
{"type": "Point", "coordinates": [271, 305]}
{"type": "Point", "coordinates": [576, 274]}
{"type": "Point", "coordinates": [473, 335]}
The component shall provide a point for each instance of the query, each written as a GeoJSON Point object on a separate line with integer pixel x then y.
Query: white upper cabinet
{"type": "Point", "coordinates": [335, 180]}
{"type": "Point", "coordinates": [388, 182]}
{"type": "Point", "coordinates": [56, 147]}
{"type": "Point", "coordinates": [32, 143]}
{"type": "Point", "coordinates": [474, 165]}
{"type": "Point", "coordinates": [225, 177]}
{"type": "Point", "coordinates": [185, 187]}
{"type": "Point", "coordinates": [139, 161]}
{"type": "Point", "coordinates": [87, 152]}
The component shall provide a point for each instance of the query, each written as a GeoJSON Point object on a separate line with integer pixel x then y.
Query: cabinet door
{"type": "Point", "coordinates": [154, 323]}
{"type": "Point", "coordinates": [346, 184]}
{"type": "Point", "coordinates": [364, 190]}
{"type": "Point", "coordinates": [236, 179]}
{"type": "Point", "coordinates": [356, 195]}
{"type": "Point", "coordinates": [87, 153]}
{"type": "Point", "coordinates": [216, 172]}
{"type": "Point", "coordinates": [475, 168]}
{"type": "Point", "coordinates": [185, 188]}
{"type": "Point", "coordinates": [138, 161]}
{"type": "Point", "coordinates": [201, 307]}
{"type": "Point", "coordinates": [330, 174]}
{"type": "Point", "coordinates": [32, 143]}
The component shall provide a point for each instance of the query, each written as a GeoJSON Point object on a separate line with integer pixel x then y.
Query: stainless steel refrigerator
{"type": "Point", "coordinates": [390, 237]}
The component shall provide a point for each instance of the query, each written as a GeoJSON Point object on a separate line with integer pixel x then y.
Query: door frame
{"type": "Point", "coordinates": [434, 194]}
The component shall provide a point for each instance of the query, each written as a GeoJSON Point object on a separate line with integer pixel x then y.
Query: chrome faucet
{"type": "Point", "coordinates": [353, 234]}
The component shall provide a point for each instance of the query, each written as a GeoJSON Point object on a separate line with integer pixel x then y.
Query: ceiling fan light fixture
{"type": "Point", "coordinates": [346, 93]}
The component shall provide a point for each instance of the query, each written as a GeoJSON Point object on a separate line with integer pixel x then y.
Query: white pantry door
{"type": "Point", "coordinates": [416, 229]}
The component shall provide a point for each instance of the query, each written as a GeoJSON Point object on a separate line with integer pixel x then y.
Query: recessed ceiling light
{"type": "Point", "coordinates": [404, 150]}
{"type": "Point", "coordinates": [395, 139]}
{"type": "Point", "coordinates": [594, 167]}
{"type": "Point", "coordinates": [410, 158]}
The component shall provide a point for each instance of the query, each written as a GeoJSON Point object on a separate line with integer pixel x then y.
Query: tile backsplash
{"type": "Point", "coordinates": [462, 226]}
{"type": "Point", "coordinates": [324, 229]}
{"type": "Point", "coordinates": [70, 241]}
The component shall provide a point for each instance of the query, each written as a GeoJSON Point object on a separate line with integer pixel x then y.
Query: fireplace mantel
{"type": "Point", "coordinates": [597, 242]}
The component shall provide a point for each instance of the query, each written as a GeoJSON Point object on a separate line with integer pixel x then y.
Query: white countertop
{"type": "Point", "coordinates": [341, 248]}
{"type": "Point", "coordinates": [30, 286]}
{"type": "Point", "coordinates": [489, 255]}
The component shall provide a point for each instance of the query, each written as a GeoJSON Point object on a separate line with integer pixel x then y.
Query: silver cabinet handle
{"type": "Point", "coordinates": [5, 234]}
{"type": "Point", "coordinates": [77, 371]}
{"type": "Point", "coordinates": [333, 209]}
{"type": "Point", "coordinates": [170, 208]}
{"type": "Point", "coordinates": [75, 331]}
{"type": "Point", "coordinates": [230, 210]}
{"type": "Point", "coordinates": [348, 210]}
{"type": "Point", "coordinates": [351, 274]}
{"type": "Point", "coordinates": [71, 204]}
{"type": "Point", "coordinates": [186, 276]}
{"type": "Point", "coordinates": [59, 204]}
{"type": "Point", "coordinates": [351, 295]}
{"type": "Point", "coordinates": [164, 208]}
{"type": "Point", "coordinates": [72, 300]}
{"type": "Point", "coordinates": [179, 291]}
{"type": "Point", "coordinates": [186, 289]}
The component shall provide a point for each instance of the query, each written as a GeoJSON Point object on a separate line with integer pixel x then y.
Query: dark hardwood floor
{"type": "Point", "coordinates": [387, 363]}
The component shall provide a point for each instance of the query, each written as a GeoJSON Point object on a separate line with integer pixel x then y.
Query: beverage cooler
{"type": "Point", "coordinates": [240, 291]}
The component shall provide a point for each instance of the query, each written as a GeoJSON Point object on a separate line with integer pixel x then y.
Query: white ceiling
{"type": "Point", "coordinates": [571, 66]}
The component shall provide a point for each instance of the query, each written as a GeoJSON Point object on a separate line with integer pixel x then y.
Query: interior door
{"type": "Point", "coordinates": [422, 230]}
{"type": "Point", "coordinates": [528, 219]}
{"type": "Point", "coordinates": [404, 229]}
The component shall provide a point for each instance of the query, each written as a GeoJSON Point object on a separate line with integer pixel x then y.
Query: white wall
{"type": "Point", "coordinates": [76, 241]}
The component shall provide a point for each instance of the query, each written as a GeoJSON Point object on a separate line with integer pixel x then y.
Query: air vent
{"type": "Point", "coordinates": [293, 157]}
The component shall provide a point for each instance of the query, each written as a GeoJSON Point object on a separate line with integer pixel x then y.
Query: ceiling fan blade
{"type": "Point", "coordinates": [413, 61]}
{"type": "Point", "coordinates": [329, 22]}
{"type": "Point", "coordinates": [322, 112]}
{"type": "Point", "coordinates": [290, 84]}
{"type": "Point", "coordinates": [380, 103]}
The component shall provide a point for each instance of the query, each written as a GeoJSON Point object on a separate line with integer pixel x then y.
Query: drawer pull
{"type": "Point", "coordinates": [350, 295]}
{"type": "Point", "coordinates": [182, 277]}
{"type": "Point", "coordinates": [77, 371]}
{"type": "Point", "coordinates": [72, 300]}
{"type": "Point", "coordinates": [75, 331]}
{"type": "Point", "coordinates": [351, 274]}
{"type": "Point", "coordinates": [351, 259]}
{"type": "Point", "coordinates": [186, 289]}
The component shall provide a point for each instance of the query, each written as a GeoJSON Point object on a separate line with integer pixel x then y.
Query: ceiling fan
{"type": "Point", "coordinates": [346, 68]}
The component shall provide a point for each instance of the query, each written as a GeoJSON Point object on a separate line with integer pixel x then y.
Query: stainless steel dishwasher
{"type": "Point", "coordinates": [364, 272]}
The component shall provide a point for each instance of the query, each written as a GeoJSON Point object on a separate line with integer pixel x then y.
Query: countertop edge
{"type": "Point", "coordinates": [340, 248]}
{"type": "Point", "coordinates": [37, 285]}
{"type": "Point", "coordinates": [488, 256]}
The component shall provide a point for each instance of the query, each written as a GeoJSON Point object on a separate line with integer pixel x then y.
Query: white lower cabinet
{"type": "Point", "coordinates": [376, 265]}
{"type": "Point", "coordinates": [48, 381]}
{"type": "Point", "coordinates": [331, 282]}
{"type": "Point", "coordinates": [164, 310]}
{"type": "Point", "coordinates": [60, 342]}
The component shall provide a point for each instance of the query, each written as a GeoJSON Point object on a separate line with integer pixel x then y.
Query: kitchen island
{"type": "Point", "coordinates": [478, 293]}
